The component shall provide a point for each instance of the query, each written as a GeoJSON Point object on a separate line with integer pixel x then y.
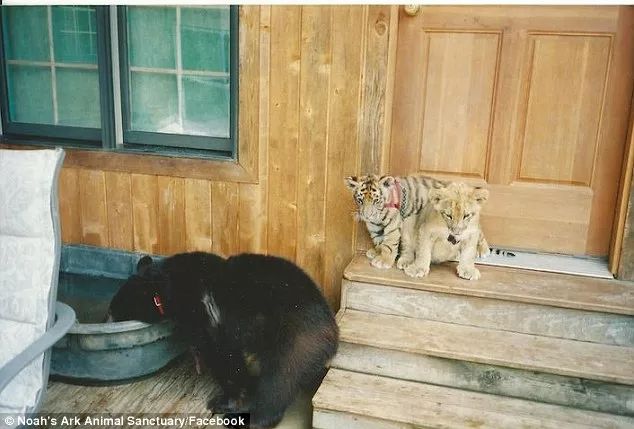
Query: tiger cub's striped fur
{"type": "Point", "coordinates": [388, 205]}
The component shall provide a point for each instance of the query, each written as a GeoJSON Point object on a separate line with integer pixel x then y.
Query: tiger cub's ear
{"type": "Point", "coordinates": [351, 182]}
{"type": "Point", "coordinates": [480, 195]}
{"type": "Point", "coordinates": [386, 181]}
{"type": "Point", "coordinates": [436, 194]}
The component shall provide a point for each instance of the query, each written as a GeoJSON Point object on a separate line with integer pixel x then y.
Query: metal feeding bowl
{"type": "Point", "coordinates": [98, 351]}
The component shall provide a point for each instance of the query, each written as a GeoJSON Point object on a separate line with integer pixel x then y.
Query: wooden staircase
{"type": "Point", "coordinates": [515, 349]}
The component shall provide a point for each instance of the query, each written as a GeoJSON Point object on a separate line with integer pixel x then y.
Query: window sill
{"type": "Point", "coordinates": [137, 161]}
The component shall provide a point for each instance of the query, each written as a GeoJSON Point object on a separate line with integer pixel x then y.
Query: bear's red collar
{"type": "Point", "coordinates": [394, 198]}
{"type": "Point", "coordinates": [158, 304]}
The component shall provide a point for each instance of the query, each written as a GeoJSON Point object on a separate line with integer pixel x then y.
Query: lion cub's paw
{"type": "Point", "coordinates": [383, 262]}
{"type": "Point", "coordinates": [414, 270]}
{"type": "Point", "coordinates": [469, 273]}
{"type": "Point", "coordinates": [371, 253]}
{"type": "Point", "coordinates": [403, 261]}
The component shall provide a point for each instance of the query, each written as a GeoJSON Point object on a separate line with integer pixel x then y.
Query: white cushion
{"type": "Point", "coordinates": [27, 265]}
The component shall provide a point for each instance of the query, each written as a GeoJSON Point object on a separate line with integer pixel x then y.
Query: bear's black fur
{"type": "Point", "coordinates": [259, 323]}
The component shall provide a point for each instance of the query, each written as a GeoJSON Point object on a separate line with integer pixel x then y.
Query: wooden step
{"type": "Point", "coordinates": [353, 400]}
{"type": "Point", "coordinates": [493, 347]}
{"type": "Point", "coordinates": [557, 290]}
{"type": "Point", "coordinates": [537, 386]}
{"type": "Point", "coordinates": [582, 325]}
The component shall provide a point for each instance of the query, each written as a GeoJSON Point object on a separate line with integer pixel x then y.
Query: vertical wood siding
{"type": "Point", "coordinates": [322, 95]}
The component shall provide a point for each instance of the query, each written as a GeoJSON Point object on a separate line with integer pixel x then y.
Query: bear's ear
{"type": "Point", "coordinates": [480, 195]}
{"type": "Point", "coordinates": [143, 265]}
{"type": "Point", "coordinates": [351, 182]}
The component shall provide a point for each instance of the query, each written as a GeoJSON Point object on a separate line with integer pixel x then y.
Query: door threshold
{"type": "Point", "coordinates": [549, 262]}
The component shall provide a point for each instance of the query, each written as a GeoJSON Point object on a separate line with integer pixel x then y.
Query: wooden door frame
{"type": "Point", "coordinates": [624, 214]}
{"type": "Point", "coordinates": [624, 210]}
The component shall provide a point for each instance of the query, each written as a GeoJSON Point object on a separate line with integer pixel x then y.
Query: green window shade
{"type": "Point", "coordinates": [178, 70]}
{"type": "Point", "coordinates": [51, 65]}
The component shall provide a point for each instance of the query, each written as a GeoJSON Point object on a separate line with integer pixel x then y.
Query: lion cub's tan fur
{"type": "Point", "coordinates": [453, 214]}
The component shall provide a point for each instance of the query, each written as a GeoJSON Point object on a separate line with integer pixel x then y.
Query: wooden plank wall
{"type": "Point", "coordinates": [324, 106]}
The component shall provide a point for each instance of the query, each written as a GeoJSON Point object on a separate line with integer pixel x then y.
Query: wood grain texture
{"type": "Point", "coordinates": [343, 149]}
{"type": "Point", "coordinates": [508, 95]}
{"type": "Point", "coordinates": [225, 218]}
{"type": "Point", "coordinates": [119, 204]}
{"type": "Point", "coordinates": [328, 419]}
{"type": "Point", "coordinates": [375, 111]}
{"type": "Point", "coordinates": [416, 405]}
{"type": "Point", "coordinates": [254, 197]}
{"type": "Point", "coordinates": [315, 71]}
{"type": "Point", "coordinates": [614, 128]}
{"type": "Point", "coordinates": [284, 97]}
{"type": "Point", "coordinates": [171, 214]}
{"type": "Point", "coordinates": [177, 389]}
{"type": "Point", "coordinates": [145, 213]}
{"type": "Point", "coordinates": [497, 380]}
{"type": "Point", "coordinates": [557, 290]}
{"type": "Point", "coordinates": [69, 211]}
{"type": "Point", "coordinates": [197, 208]}
{"type": "Point", "coordinates": [571, 70]}
{"type": "Point", "coordinates": [626, 266]}
{"type": "Point", "coordinates": [491, 313]}
{"type": "Point", "coordinates": [488, 346]}
{"type": "Point", "coordinates": [92, 202]}
{"type": "Point", "coordinates": [460, 83]}
{"type": "Point", "coordinates": [623, 209]}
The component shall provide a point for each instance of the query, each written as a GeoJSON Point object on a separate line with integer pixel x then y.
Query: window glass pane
{"type": "Point", "coordinates": [201, 117]}
{"type": "Point", "coordinates": [179, 70]}
{"type": "Point", "coordinates": [151, 37]}
{"type": "Point", "coordinates": [154, 104]}
{"type": "Point", "coordinates": [52, 80]}
{"type": "Point", "coordinates": [26, 33]}
{"type": "Point", "coordinates": [205, 39]}
{"type": "Point", "coordinates": [77, 91]}
{"type": "Point", "coordinates": [30, 94]}
{"type": "Point", "coordinates": [75, 34]}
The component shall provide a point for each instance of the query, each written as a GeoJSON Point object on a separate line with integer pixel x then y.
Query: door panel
{"type": "Point", "coordinates": [530, 101]}
{"type": "Point", "coordinates": [567, 81]}
{"type": "Point", "coordinates": [458, 85]}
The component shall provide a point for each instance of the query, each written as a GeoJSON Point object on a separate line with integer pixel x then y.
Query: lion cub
{"type": "Point", "coordinates": [449, 229]}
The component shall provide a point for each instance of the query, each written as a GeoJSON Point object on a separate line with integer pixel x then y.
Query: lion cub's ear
{"type": "Point", "coordinates": [351, 182]}
{"type": "Point", "coordinates": [480, 195]}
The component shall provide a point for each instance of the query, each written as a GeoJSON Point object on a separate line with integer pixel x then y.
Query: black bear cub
{"type": "Point", "coordinates": [258, 323]}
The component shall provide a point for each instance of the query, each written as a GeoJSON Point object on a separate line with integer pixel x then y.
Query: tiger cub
{"type": "Point", "coordinates": [388, 205]}
{"type": "Point", "coordinates": [449, 229]}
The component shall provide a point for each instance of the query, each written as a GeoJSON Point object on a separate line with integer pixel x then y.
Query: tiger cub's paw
{"type": "Point", "coordinates": [371, 253]}
{"type": "Point", "coordinates": [483, 250]}
{"type": "Point", "coordinates": [383, 262]}
{"type": "Point", "coordinates": [469, 273]}
{"type": "Point", "coordinates": [414, 270]}
{"type": "Point", "coordinates": [404, 260]}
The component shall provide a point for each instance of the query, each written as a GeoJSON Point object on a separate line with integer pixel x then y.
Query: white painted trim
{"type": "Point", "coordinates": [52, 64]}
{"type": "Point", "coordinates": [178, 72]}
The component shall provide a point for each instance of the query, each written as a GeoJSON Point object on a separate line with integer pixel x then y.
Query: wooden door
{"type": "Point", "coordinates": [530, 101]}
